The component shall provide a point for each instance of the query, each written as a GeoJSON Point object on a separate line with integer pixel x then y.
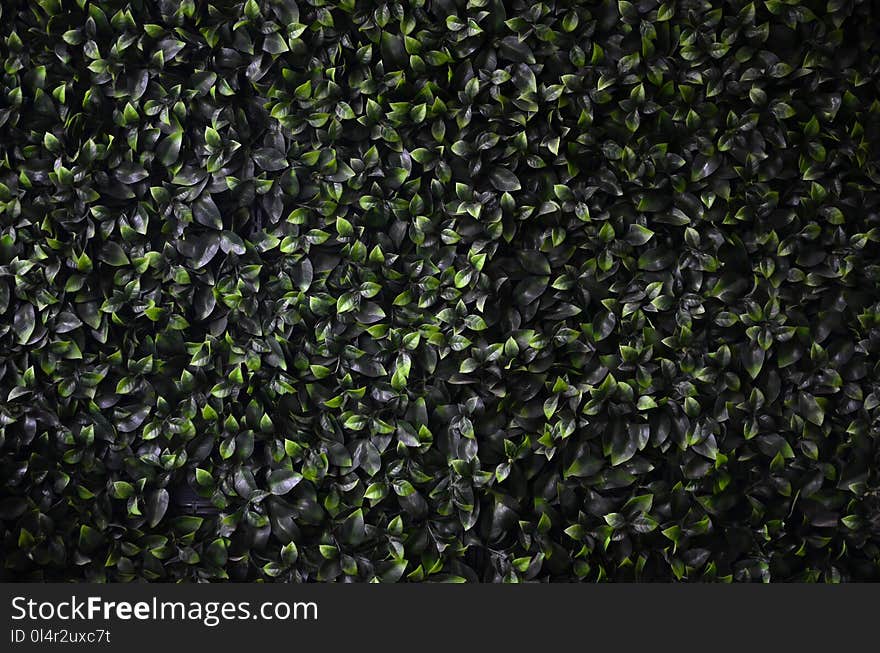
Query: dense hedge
{"type": "Point", "coordinates": [427, 290]}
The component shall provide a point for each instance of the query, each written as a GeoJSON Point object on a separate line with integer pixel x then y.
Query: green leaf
{"type": "Point", "coordinates": [212, 137]}
{"type": "Point", "coordinates": [187, 524]}
{"type": "Point", "coordinates": [112, 254]}
{"type": "Point", "coordinates": [343, 227]}
{"type": "Point", "coordinates": [282, 481]}
{"type": "Point", "coordinates": [503, 179]}
{"type": "Point", "coordinates": [157, 505]}
{"type": "Point", "coordinates": [615, 520]}
{"type": "Point", "coordinates": [289, 553]}
{"type": "Point", "coordinates": [375, 491]}
{"type": "Point", "coordinates": [638, 235]}
{"type": "Point", "coordinates": [24, 322]}
{"type": "Point", "coordinates": [205, 212]}
{"type": "Point", "coordinates": [475, 323]}
{"type": "Point", "coordinates": [810, 409]}
{"type": "Point", "coordinates": [753, 360]}
{"type": "Point", "coordinates": [204, 477]}
{"type": "Point", "coordinates": [89, 539]}
{"type": "Point", "coordinates": [122, 490]}
{"type": "Point", "coordinates": [401, 373]}
{"type": "Point", "coordinates": [646, 402]}
{"type": "Point", "coordinates": [352, 530]}
{"type": "Point", "coordinates": [168, 149]}
{"type": "Point", "coordinates": [25, 539]}
{"type": "Point", "coordinates": [403, 488]}
{"type": "Point", "coordinates": [51, 143]}
{"type": "Point", "coordinates": [130, 114]}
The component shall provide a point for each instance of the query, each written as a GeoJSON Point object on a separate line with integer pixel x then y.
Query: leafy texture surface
{"type": "Point", "coordinates": [435, 290]}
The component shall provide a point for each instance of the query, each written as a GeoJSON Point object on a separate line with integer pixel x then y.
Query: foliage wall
{"type": "Point", "coordinates": [435, 290]}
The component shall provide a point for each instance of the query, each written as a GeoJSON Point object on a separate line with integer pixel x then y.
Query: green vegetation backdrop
{"type": "Point", "coordinates": [433, 290]}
